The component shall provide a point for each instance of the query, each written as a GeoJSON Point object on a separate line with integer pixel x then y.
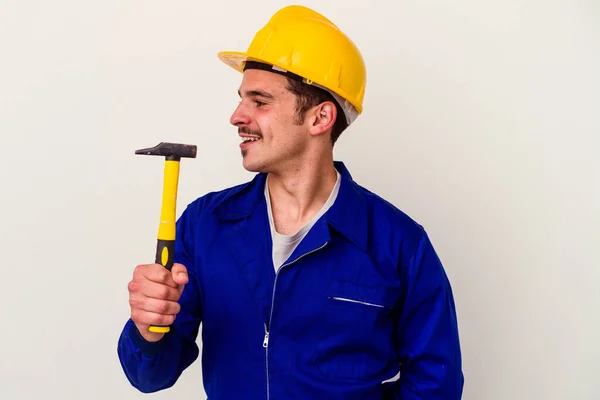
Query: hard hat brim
{"type": "Point", "coordinates": [235, 59]}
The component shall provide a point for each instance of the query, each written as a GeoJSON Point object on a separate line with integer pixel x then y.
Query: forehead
{"type": "Point", "coordinates": [254, 79]}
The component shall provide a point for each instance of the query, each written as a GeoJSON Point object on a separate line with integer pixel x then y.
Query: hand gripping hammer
{"type": "Point", "coordinates": [165, 247]}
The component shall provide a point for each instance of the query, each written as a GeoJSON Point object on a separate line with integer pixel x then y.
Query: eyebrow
{"type": "Point", "coordinates": [257, 93]}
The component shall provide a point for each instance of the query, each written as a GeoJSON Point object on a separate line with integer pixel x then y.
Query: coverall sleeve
{"type": "Point", "coordinates": [427, 339]}
{"type": "Point", "coordinates": [154, 366]}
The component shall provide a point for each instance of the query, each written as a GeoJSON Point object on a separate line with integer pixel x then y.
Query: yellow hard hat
{"type": "Point", "coordinates": [301, 41]}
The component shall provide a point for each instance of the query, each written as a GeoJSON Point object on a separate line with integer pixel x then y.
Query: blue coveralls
{"type": "Point", "coordinates": [362, 297]}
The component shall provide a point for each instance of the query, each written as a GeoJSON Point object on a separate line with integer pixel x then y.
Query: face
{"type": "Point", "coordinates": [272, 138]}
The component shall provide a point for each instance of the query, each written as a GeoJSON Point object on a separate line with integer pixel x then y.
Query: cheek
{"type": "Point", "coordinates": [277, 128]}
{"type": "Point", "coordinates": [269, 123]}
{"type": "Point", "coordinates": [264, 117]}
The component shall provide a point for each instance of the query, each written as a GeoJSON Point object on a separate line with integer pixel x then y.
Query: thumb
{"type": "Point", "coordinates": [180, 275]}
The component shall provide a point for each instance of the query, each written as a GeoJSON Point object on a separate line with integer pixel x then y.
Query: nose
{"type": "Point", "coordinates": [240, 116]}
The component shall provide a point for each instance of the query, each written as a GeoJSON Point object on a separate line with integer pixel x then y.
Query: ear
{"type": "Point", "coordinates": [322, 118]}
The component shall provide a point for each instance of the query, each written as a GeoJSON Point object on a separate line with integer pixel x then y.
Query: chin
{"type": "Point", "coordinates": [253, 166]}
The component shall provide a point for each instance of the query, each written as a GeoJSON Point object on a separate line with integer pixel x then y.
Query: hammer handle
{"type": "Point", "coordinates": [165, 246]}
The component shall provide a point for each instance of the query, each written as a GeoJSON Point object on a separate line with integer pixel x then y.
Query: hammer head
{"type": "Point", "coordinates": [172, 151]}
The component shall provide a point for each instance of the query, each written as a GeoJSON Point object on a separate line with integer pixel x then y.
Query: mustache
{"type": "Point", "coordinates": [250, 131]}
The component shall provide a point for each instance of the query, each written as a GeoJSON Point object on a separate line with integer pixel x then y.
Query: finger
{"type": "Point", "coordinates": [143, 317]}
{"type": "Point", "coordinates": [158, 273]}
{"type": "Point", "coordinates": [138, 301]}
{"type": "Point", "coordinates": [156, 290]}
{"type": "Point", "coordinates": [179, 273]}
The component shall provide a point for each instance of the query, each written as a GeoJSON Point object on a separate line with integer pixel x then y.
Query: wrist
{"type": "Point", "coordinates": [149, 343]}
{"type": "Point", "coordinates": [149, 336]}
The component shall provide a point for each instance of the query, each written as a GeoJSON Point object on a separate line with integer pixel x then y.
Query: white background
{"type": "Point", "coordinates": [482, 119]}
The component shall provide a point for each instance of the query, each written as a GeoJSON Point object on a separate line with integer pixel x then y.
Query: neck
{"type": "Point", "coordinates": [300, 191]}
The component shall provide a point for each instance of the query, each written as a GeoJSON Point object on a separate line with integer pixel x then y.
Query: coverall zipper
{"type": "Point", "coordinates": [266, 339]}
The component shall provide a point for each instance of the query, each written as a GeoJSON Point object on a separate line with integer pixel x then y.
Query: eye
{"type": "Point", "coordinates": [259, 103]}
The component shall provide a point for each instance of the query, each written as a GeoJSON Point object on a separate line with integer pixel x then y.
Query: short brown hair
{"type": "Point", "coordinates": [308, 96]}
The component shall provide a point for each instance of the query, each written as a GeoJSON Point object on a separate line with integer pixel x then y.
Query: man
{"type": "Point", "coordinates": [307, 285]}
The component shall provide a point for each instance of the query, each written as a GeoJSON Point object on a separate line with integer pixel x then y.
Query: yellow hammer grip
{"type": "Point", "coordinates": [165, 246]}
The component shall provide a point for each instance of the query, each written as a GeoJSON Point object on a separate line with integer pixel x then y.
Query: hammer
{"type": "Point", "coordinates": [165, 246]}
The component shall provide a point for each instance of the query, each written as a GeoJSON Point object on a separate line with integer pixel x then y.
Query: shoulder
{"type": "Point", "coordinates": [384, 216]}
{"type": "Point", "coordinates": [393, 235]}
{"type": "Point", "coordinates": [210, 201]}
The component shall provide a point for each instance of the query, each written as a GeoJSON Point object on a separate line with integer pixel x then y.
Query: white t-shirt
{"type": "Point", "coordinates": [284, 245]}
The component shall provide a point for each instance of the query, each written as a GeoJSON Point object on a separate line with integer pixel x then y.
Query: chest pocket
{"type": "Point", "coordinates": [355, 331]}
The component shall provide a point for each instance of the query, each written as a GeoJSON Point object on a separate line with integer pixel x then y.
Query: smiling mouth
{"type": "Point", "coordinates": [248, 139]}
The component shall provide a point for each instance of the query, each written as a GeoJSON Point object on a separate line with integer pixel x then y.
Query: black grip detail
{"type": "Point", "coordinates": [160, 246]}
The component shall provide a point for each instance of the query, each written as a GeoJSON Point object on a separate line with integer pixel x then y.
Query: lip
{"type": "Point", "coordinates": [245, 145]}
